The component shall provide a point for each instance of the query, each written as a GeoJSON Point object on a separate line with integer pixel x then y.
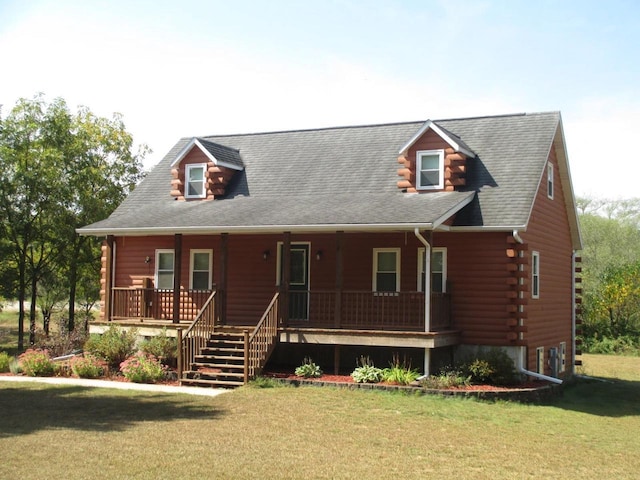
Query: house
{"type": "Point", "coordinates": [323, 242]}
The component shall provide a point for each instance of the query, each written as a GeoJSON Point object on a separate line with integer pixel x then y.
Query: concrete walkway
{"type": "Point", "coordinates": [143, 387]}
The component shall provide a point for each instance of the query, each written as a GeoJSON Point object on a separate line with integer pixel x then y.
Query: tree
{"type": "Point", "coordinates": [59, 171]}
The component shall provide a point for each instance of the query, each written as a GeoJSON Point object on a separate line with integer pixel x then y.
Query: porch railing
{"type": "Point", "coordinates": [368, 310]}
{"type": "Point", "coordinates": [259, 344]}
{"type": "Point", "coordinates": [157, 304]}
{"type": "Point", "coordinates": [196, 336]}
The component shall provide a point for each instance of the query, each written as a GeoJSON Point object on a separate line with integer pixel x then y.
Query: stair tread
{"type": "Point", "coordinates": [218, 365]}
{"type": "Point", "coordinates": [212, 382]}
{"type": "Point", "coordinates": [220, 374]}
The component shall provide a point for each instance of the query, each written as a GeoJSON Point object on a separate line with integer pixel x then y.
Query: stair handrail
{"type": "Point", "coordinates": [197, 334]}
{"type": "Point", "coordinates": [259, 344]}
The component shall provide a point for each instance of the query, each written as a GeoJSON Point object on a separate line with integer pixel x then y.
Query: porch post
{"type": "Point", "coordinates": [222, 290]}
{"type": "Point", "coordinates": [427, 361]}
{"type": "Point", "coordinates": [177, 270]}
{"type": "Point", "coordinates": [285, 277]}
{"type": "Point", "coordinates": [108, 278]}
{"type": "Point", "coordinates": [339, 280]}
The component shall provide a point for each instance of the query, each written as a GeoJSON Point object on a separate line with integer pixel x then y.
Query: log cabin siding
{"type": "Point", "coordinates": [549, 316]}
{"type": "Point", "coordinates": [477, 280]}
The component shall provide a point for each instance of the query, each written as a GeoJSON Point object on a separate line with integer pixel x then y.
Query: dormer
{"type": "Point", "coordinates": [434, 159]}
{"type": "Point", "coordinates": [202, 170]}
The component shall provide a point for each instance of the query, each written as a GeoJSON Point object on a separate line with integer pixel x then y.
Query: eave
{"type": "Point", "coordinates": [196, 143]}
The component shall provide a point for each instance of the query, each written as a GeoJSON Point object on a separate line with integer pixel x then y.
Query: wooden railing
{"type": "Point", "coordinates": [157, 304]}
{"type": "Point", "coordinates": [259, 344]}
{"type": "Point", "coordinates": [367, 310]}
{"type": "Point", "coordinates": [196, 336]}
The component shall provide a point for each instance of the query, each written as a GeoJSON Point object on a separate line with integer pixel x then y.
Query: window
{"type": "Point", "coordinates": [550, 180]}
{"type": "Point", "coordinates": [540, 360]}
{"type": "Point", "coordinates": [164, 269]}
{"type": "Point", "coordinates": [562, 357]}
{"type": "Point", "coordinates": [195, 175]}
{"type": "Point", "coordinates": [386, 270]}
{"type": "Point", "coordinates": [430, 169]}
{"type": "Point", "coordinates": [535, 275]}
{"type": "Point", "coordinates": [200, 269]}
{"type": "Point", "coordinates": [438, 270]}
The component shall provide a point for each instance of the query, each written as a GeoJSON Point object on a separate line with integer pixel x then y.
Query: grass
{"type": "Point", "coordinates": [73, 432]}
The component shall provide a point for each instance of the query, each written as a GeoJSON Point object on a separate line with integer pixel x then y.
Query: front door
{"type": "Point", "coordinates": [298, 281]}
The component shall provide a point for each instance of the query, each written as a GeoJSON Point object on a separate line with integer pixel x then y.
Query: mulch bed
{"type": "Point", "coordinates": [527, 392]}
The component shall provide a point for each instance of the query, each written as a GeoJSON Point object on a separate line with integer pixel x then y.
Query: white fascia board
{"type": "Point", "coordinates": [254, 229]}
{"type": "Point", "coordinates": [196, 143]}
{"type": "Point", "coordinates": [430, 125]}
{"type": "Point", "coordinates": [488, 228]}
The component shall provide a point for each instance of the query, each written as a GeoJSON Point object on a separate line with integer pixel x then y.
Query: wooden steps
{"type": "Point", "coordinates": [220, 363]}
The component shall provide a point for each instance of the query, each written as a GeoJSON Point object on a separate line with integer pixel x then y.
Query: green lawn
{"type": "Point", "coordinates": [308, 432]}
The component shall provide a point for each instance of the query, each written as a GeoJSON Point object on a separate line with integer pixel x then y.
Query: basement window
{"type": "Point", "coordinates": [195, 175]}
{"type": "Point", "coordinates": [540, 360]}
{"type": "Point", "coordinates": [430, 169]}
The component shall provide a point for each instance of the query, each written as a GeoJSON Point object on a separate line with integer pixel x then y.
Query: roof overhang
{"type": "Point", "coordinates": [429, 125]}
{"type": "Point", "coordinates": [194, 142]}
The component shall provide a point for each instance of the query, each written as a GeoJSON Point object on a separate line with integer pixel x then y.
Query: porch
{"type": "Point", "coordinates": [325, 310]}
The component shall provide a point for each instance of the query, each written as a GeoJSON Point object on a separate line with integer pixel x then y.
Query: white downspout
{"type": "Point", "coordinates": [426, 288]}
{"type": "Point", "coordinates": [520, 367]}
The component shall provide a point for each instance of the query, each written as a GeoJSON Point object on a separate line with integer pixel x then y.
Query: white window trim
{"type": "Point", "coordinates": [550, 182]}
{"type": "Point", "coordinates": [187, 170]}
{"type": "Point", "coordinates": [440, 154]}
{"type": "Point", "coordinates": [535, 274]}
{"type": "Point", "coordinates": [562, 354]}
{"type": "Point", "coordinates": [540, 364]}
{"type": "Point", "coordinates": [374, 279]}
{"type": "Point", "coordinates": [421, 266]}
{"type": "Point", "coordinates": [191, 262]}
{"type": "Point", "coordinates": [158, 252]}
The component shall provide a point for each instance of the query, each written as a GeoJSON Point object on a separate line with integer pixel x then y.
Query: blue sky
{"type": "Point", "coordinates": [190, 68]}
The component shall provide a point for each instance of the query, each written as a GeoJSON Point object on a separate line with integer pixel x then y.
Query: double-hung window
{"type": "Point", "coordinates": [438, 270]}
{"type": "Point", "coordinates": [386, 270]}
{"type": "Point", "coordinates": [550, 180]}
{"type": "Point", "coordinates": [200, 269]}
{"type": "Point", "coordinates": [535, 275]}
{"type": "Point", "coordinates": [196, 177]}
{"type": "Point", "coordinates": [164, 269]}
{"type": "Point", "coordinates": [430, 169]}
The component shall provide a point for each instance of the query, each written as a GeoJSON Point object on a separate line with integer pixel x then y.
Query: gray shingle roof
{"type": "Point", "coordinates": [225, 154]}
{"type": "Point", "coordinates": [347, 176]}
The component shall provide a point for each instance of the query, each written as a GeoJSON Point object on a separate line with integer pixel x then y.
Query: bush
{"type": "Point", "coordinates": [624, 345]}
{"type": "Point", "coordinates": [5, 360]}
{"type": "Point", "coordinates": [142, 368]}
{"type": "Point", "coordinates": [446, 379]}
{"type": "Point", "coordinates": [63, 343]}
{"type": "Point", "coordinates": [490, 366]}
{"type": "Point", "coordinates": [308, 369]}
{"type": "Point", "coordinates": [162, 347]}
{"type": "Point", "coordinates": [86, 367]}
{"type": "Point", "coordinates": [114, 346]}
{"type": "Point", "coordinates": [366, 372]}
{"type": "Point", "coordinates": [37, 363]}
{"type": "Point", "coordinates": [400, 373]}
{"type": "Point", "coordinates": [15, 367]}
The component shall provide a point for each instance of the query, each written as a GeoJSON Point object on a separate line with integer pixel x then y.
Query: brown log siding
{"type": "Point", "coordinates": [549, 317]}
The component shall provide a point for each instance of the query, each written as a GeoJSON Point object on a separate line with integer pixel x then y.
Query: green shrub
{"type": "Point", "coordinates": [366, 372]}
{"type": "Point", "coordinates": [142, 368]}
{"type": "Point", "coordinates": [5, 360]}
{"type": "Point", "coordinates": [308, 369]}
{"type": "Point", "coordinates": [37, 363]}
{"type": "Point", "coordinates": [265, 382]}
{"type": "Point", "coordinates": [15, 367]}
{"type": "Point", "coordinates": [490, 366]}
{"type": "Point", "coordinates": [623, 345]}
{"type": "Point", "coordinates": [87, 367]}
{"type": "Point", "coordinates": [114, 346]}
{"type": "Point", "coordinates": [162, 347]}
{"type": "Point", "coordinates": [399, 372]}
{"type": "Point", "coordinates": [446, 379]}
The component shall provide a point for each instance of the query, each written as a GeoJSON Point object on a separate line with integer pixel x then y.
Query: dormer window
{"type": "Point", "coordinates": [195, 175]}
{"type": "Point", "coordinates": [430, 169]}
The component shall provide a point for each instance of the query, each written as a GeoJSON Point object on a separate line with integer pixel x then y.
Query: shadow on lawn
{"type": "Point", "coordinates": [28, 410]}
{"type": "Point", "coordinates": [607, 398]}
